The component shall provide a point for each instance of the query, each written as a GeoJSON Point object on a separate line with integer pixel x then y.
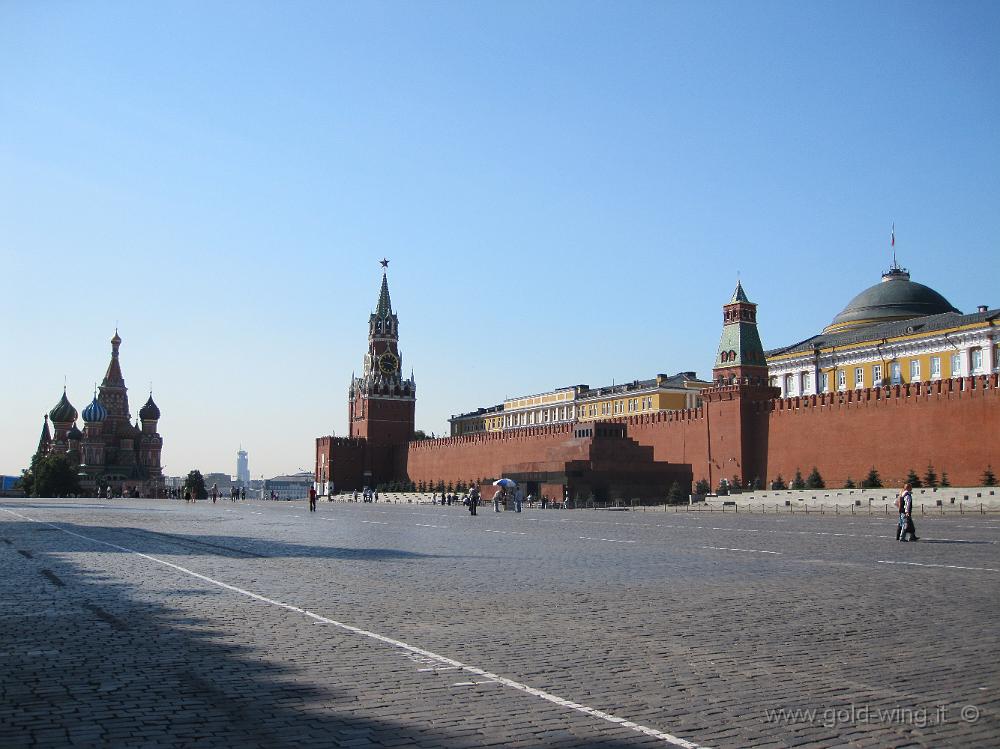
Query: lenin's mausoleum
{"type": "Point", "coordinates": [900, 380]}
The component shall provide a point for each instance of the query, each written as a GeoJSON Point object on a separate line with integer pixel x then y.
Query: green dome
{"type": "Point", "coordinates": [895, 298]}
{"type": "Point", "coordinates": [63, 413]}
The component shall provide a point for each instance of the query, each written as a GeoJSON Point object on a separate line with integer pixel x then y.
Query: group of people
{"type": "Point", "coordinates": [367, 495]}
{"type": "Point", "coordinates": [502, 496]}
{"type": "Point", "coordinates": [235, 493]}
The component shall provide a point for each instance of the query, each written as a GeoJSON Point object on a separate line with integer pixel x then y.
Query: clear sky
{"type": "Point", "coordinates": [566, 192]}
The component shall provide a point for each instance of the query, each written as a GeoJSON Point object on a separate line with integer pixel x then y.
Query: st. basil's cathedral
{"type": "Point", "coordinates": [111, 452]}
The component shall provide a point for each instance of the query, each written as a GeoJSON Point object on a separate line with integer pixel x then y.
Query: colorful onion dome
{"type": "Point", "coordinates": [95, 412]}
{"type": "Point", "coordinates": [63, 413]}
{"type": "Point", "coordinates": [149, 412]}
{"type": "Point", "coordinates": [74, 433]}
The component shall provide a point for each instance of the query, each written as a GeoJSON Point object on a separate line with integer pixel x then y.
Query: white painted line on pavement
{"type": "Point", "coordinates": [752, 551]}
{"type": "Point", "coordinates": [439, 668]}
{"type": "Point", "coordinates": [373, 522]}
{"type": "Point", "coordinates": [507, 533]}
{"type": "Point", "coordinates": [425, 525]}
{"type": "Point", "coordinates": [613, 540]}
{"type": "Point", "coordinates": [949, 566]}
{"type": "Point", "coordinates": [542, 694]}
{"type": "Point", "coordinates": [473, 683]}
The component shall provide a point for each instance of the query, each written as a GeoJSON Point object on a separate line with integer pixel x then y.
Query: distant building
{"type": "Point", "coordinates": [292, 486]}
{"type": "Point", "coordinates": [242, 468]}
{"type": "Point", "coordinates": [223, 480]}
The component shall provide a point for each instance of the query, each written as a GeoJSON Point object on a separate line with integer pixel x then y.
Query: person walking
{"type": "Point", "coordinates": [906, 527]}
{"type": "Point", "coordinates": [497, 497]}
{"type": "Point", "coordinates": [518, 496]}
{"type": "Point", "coordinates": [312, 499]}
{"type": "Point", "coordinates": [215, 492]}
{"type": "Point", "coordinates": [473, 500]}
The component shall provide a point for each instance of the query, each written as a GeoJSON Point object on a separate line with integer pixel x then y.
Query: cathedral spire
{"type": "Point", "coordinates": [113, 377]}
{"type": "Point", "coordinates": [46, 438]}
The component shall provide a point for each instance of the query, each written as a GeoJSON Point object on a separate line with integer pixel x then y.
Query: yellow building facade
{"type": "Point", "coordinates": [583, 403]}
{"type": "Point", "coordinates": [893, 333]}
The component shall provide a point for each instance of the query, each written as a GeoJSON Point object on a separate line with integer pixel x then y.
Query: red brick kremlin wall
{"type": "Point", "coordinates": [474, 457]}
{"type": "Point", "coordinates": [952, 424]}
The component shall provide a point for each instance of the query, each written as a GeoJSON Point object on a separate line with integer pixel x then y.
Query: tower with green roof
{"type": "Point", "coordinates": [738, 403]}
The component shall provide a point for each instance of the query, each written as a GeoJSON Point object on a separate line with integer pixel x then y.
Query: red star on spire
{"type": "Point", "coordinates": [384, 263]}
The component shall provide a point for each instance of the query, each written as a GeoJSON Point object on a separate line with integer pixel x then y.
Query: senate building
{"type": "Point", "coordinates": [895, 332]}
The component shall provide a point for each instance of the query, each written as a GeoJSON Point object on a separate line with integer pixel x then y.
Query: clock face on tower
{"type": "Point", "coordinates": [388, 363]}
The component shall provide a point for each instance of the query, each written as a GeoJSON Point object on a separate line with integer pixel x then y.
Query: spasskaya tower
{"type": "Point", "coordinates": [381, 402]}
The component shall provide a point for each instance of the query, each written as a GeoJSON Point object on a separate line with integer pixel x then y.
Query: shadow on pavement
{"type": "Point", "coordinates": [87, 659]}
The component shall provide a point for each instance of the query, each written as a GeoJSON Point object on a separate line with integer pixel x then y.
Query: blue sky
{"type": "Point", "coordinates": [566, 192]}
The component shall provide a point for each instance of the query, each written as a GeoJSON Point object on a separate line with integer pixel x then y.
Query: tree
{"type": "Point", "coordinates": [195, 483]}
{"type": "Point", "coordinates": [50, 476]}
{"type": "Point", "coordinates": [945, 483]}
{"type": "Point", "coordinates": [873, 481]}
{"type": "Point", "coordinates": [930, 478]}
{"type": "Point", "coordinates": [913, 479]}
{"type": "Point", "coordinates": [756, 485]}
{"type": "Point", "coordinates": [849, 484]}
{"type": "Point", "coordinates": [702, 487]}
{"type": "Point", "coordinates": [797, 482]}
{"type": "Point", "coordinates": [451, 487]}
{"type": "Point", "coordinates": [419, 434]}
{"type": "Point", "coordinates": [421, 487]}
{"type": "Point", "coordinates": [723, 489]}
{"type": "Point", "coordinates": [779, 483]}
{"type": "Point", "coordinates": [676, 495]}
{"type": "Point", "coordinates": [814, 480]}
{"type": "Point", "coordinates": [734, 485]}
{"type": "Point", "coordinates": [988, 478]}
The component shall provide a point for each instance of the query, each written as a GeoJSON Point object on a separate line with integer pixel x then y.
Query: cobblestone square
{"type": "Point", "coordinates": [160, 623]}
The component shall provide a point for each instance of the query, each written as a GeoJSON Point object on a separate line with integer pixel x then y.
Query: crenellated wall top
{"type": "Point", "coordinates": [981, 385]}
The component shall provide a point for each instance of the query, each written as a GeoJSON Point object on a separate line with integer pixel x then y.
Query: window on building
{"type": "Point", "coordinates": [841, 379]}
{"type": "Point", "coordinates": [876, 375]}
{"type": "Point", "coordinates": [789, 385]}
{"type": "Point", "coordinates": [772, 381]}
{"type": "Point", "coordinates": [896, 373]}
{"type": "Point", "coordinates": [806, 382]}
{"type": "Point", "coordinates": [935, 367]}
{"type": "Point", "coordinates": [914, 370]}
{"type": "Point", "coordinates": [859, 377]}
{"type": "Point", "coordinates": [825, 381]}
{"type": "Point", "coordinates": [976, 360]}
{"type": "Point", "coordinates": [956, 365]}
